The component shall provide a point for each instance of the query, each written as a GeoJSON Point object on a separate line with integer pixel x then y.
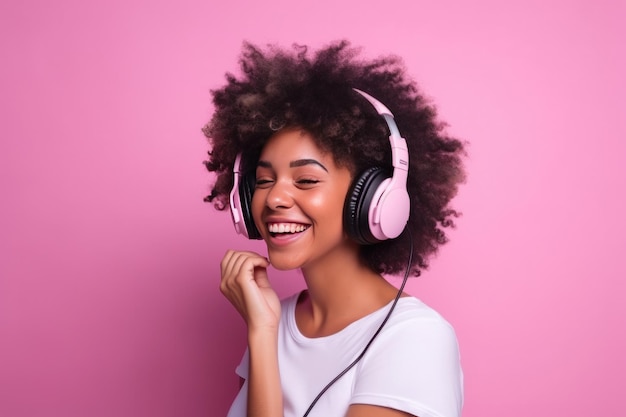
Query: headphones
{"type": "Point", "coordinates": [376, 208]}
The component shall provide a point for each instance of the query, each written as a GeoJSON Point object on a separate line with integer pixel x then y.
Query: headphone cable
{"type": "Point", "coordinates": [380, 328]}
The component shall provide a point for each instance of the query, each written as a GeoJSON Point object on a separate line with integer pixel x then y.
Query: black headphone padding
{"type": "Point", "coordinates": [358, 201]}
{"type": "Point", "coordinates": [246, 190]}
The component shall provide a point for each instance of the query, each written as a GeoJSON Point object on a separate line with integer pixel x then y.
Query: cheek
{"type": "Point", "coordinates": [328, 206]}
{"type": "Point", "coordinates": [318, 201]}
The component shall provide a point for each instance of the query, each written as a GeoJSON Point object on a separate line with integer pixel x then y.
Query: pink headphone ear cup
{"type": "Point", "coordinates": [358, 202]}
{"type": "Point", "coordinates": [246, 191]}
{"type": "Point", "coordinates": [391, 213]}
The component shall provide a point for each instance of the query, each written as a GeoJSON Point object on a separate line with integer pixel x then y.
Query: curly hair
{"type": "Point", "coordinates": [281, 88]}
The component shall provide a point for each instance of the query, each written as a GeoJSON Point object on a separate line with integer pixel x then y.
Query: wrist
{"type": "Point", "coordinates": [262, 334]}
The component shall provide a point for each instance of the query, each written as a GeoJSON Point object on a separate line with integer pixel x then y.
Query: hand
{"type": "Point", "coordinates": [245, 284]}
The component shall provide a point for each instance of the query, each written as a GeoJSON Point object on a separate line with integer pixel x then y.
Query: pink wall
{"type": "Point", "coordinates": [109, 260]}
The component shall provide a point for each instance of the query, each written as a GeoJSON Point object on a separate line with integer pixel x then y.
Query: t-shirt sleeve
{"type": "Point", "coordinates": [244, 365]}
{"type": "Point", "coordinates": [413, 366]}
{"type": "Point", "coordinates": [239, 405]}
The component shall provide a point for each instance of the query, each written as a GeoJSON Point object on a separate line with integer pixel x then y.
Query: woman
{"type": "Point", "coordinates": [314, 165]}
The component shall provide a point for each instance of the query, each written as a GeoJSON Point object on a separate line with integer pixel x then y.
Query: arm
{"type": "Point", "coordinates": [245, 284]}
{"type": "Point", "coordinates": [264, 390]}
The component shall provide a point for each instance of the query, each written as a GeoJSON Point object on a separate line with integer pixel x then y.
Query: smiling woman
{"type": "Point", "coordinates": [320, 172]}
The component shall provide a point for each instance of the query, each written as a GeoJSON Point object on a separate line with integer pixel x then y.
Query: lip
{"type": "Point", "coordinates": [284, 239]}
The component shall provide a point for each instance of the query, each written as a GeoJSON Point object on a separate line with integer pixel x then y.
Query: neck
{"type": "Point", "coordinates": [341, 289]}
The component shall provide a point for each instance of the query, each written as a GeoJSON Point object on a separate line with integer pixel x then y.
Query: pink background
{"type": "Point", "coordinates": [109, 259]}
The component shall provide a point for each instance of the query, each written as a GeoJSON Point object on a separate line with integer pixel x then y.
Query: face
{"type": "Point", "coordinates": [298, 201]}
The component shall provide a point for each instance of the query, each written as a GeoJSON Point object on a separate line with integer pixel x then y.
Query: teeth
{"type": "Point", "coordinates": [286, 227]}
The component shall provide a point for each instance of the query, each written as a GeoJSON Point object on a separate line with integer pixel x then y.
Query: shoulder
{"type": "Point", "coordinates": [414, 318]}
{"type": "Point", "coordinates": [418, 337]}
{"type": "Point", "coordinates": [415, 334]}
{"type": "Point", "coordinates": [415, 361]}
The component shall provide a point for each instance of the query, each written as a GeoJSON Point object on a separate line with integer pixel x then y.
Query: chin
{"type": "Point", "coordinates": [284, 262]}
{"type": "Point", "coordinates": [284, 266]}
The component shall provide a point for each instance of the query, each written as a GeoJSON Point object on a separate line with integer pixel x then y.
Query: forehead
{"type": "Point", "coordinates": [295, 143]}
{"type": "Point", "coordinates": [290, 143]}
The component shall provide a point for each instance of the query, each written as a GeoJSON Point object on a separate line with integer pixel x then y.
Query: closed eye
{"type": "Point", "coordinates": [305, 183]}
{"type": "Point", "coordinates": [262, 183]}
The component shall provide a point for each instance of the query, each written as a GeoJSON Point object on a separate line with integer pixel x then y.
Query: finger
{"type": "Point", "coordinates": [227, 260]}
{"type": "Point", "coordinates": [232, 260]}
{"type": "Point", "coordinates": [241, 267]}
{"type": "Point", "coordinates": [248, 267]}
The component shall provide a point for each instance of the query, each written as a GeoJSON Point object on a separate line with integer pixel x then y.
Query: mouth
{"type": "Point", "coordinates": [281, 229]}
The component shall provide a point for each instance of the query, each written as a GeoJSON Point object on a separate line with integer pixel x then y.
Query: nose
{"type": "Point", "coordinates": [279, 195]}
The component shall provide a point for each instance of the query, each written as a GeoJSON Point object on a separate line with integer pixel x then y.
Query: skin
{"type": "Point", "coordinates": [300, 186]}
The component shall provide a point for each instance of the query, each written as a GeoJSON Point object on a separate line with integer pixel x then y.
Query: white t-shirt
{"type": "Point", "coordinates": [413, 365]}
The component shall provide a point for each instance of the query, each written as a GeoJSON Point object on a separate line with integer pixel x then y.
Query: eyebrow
{"type": "Point", "coordinates": [294, 164]}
